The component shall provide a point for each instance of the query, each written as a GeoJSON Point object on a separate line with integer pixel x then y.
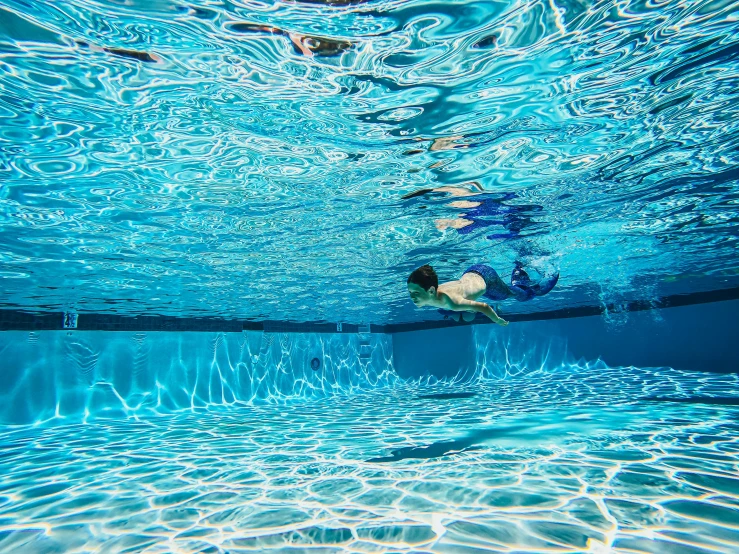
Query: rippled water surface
{"type": "Point", "coordinates": [585, 459]}
{"type": "Point", "coordinates": [249, 159]}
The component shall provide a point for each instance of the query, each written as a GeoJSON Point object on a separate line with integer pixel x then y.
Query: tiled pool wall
{"type": "Point", "coordinates": [699, 337]}
{"type": "Point", "coordinates": [75, 375]}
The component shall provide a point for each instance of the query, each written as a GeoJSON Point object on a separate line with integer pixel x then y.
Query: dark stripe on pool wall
{"type": "Point", "coordinates": [719, 400]}
{"type": "Point", "coordinates": [20, 320]}
{"type": "Point", "coordinates": [17, 320]}
{"type": "Point", "coordinates": [446, 395]}
{"type": "Point", "coordinates": [672, 301]}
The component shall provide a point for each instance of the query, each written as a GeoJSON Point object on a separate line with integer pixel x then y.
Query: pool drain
{"type": "Point", "coordinates": [315, 364]}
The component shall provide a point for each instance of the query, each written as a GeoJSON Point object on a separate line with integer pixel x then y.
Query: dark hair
{"type": "Point", "coordinates": [425, 277]}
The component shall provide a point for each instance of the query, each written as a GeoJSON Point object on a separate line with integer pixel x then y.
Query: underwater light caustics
{"type": "Point", "coordinates": [565, 460]}
{"type": "Point", "coordinates": [178, 159]}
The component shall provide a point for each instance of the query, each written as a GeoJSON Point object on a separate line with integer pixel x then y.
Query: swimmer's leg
{"type": "Point", "coordinates": [495, 288]}
{"type": "Point", "coordinates": [519, 277]}
{"type": "Point", "coordinates": [468, 316]}
{"type": "Point", "coordinates": [523, 289]}
{"type": "Point", "coordinates": [522, 294]}
{"type": "Point", "coordinates": [546, 284]}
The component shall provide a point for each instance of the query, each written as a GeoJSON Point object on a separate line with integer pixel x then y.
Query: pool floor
{"type": "Point", "coordinates": [579, 459]}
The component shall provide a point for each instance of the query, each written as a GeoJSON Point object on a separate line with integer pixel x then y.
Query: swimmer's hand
{"type": "Point", "coordinates": [490, 312]}
{"type": "Point", "coordinates": [462, 304]}
{"type": "Point", "coordinates": [495, 318]}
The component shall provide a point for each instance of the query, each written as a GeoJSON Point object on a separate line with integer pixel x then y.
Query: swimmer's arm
{"type": "Point", "coordinates": [460, 304]}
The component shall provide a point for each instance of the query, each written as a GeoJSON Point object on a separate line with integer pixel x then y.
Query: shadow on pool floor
{"type": "Point", "coordinates": [442, 448]}
{"type": "Point", "coordinates": [473, 440]}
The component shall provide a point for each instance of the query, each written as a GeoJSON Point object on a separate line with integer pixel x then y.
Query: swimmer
{"type": "Point", "coordinates": [479, 280]}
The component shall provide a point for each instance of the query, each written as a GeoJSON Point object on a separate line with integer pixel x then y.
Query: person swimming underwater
{"type": "Point", "coordinates": [478, 280]}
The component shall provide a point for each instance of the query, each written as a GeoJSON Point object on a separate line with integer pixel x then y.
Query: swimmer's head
{"type": "Point", "coordinates": [422, 285]}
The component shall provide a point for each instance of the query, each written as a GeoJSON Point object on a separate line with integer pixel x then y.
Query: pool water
{"type": "Point", "coordinates": [178, 158]}
{"type": "Point", "coordinates": [590, 459]}
{"type": "Point", "coordinates": [227, 198]}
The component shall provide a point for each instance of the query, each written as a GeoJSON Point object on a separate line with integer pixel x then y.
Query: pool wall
{"type": "Point", "coordinates": [75, 375]}
{"type": "Point", "coordinates": [702, 337]}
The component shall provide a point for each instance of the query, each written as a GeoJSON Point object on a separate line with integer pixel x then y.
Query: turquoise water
{"type": "Point", "coordinates": [248, 159]}
{"type": "Point", "coordinates": [294, 162]}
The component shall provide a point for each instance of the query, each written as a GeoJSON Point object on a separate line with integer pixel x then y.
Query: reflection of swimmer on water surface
{"type": "Point", "coordinates": [441, 143]}
{"type": "Point", "coordinates": [304, 45]}
{"type": "Point", "coordinates": [122, 52]}
{"type": "Point", "coordinates": [482, 209]}
{"type": "Point", "coordinates": [474, 139]}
